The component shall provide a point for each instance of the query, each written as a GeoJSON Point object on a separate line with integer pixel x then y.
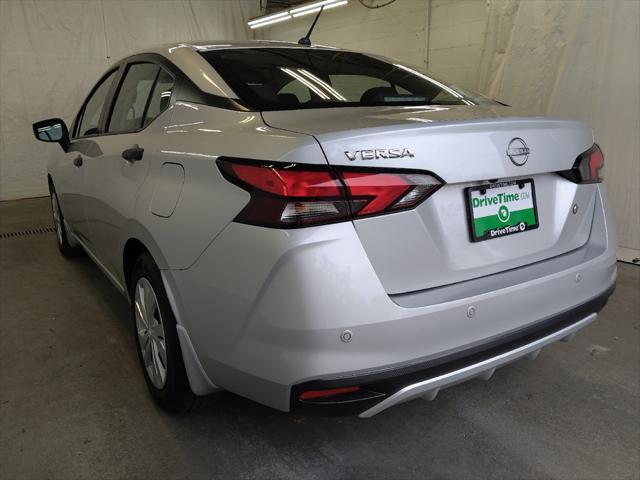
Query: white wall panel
{"type": "Point", "coordinates": [580, 60]}
{"type": "Point", "coordinates": [53, 52]}
{"type": "Point", "coordinates": [456, 39]}
{"type": "Point", "coordinates": [397, 30]}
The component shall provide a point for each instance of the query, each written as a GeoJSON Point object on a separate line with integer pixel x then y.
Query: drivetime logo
{"type": "Point", "coordinates": [498, 232]}
{"type": "Point", "coordinates": [499, 198]}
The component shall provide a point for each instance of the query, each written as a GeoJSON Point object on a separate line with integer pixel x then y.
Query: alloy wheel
{"type": "Point", "coordinates": [150, 330]}
{"type": "Point", "coordinates": [57, 217]}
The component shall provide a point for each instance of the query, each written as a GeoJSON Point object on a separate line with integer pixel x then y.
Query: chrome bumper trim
{"type": "Point", "coordinates": [429, 388]}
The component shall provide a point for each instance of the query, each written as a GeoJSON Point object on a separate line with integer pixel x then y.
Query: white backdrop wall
{"type": "Point", "coordinates": [53, 52]}
{"type": "Point", "coordinates": [577, 58]}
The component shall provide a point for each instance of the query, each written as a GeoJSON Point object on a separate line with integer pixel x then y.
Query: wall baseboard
{"type": "Point", "coordinates": [629, 255]}
{"type": "Point", "coordinates": [24, 198]}
{"type": "Point", "coordinates": [33, 192]}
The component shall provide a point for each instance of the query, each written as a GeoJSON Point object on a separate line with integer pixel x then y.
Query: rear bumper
{"type": "Point", "coordinates": [263, 312]}
{"type": "Point", "coordinates": [392, 387]}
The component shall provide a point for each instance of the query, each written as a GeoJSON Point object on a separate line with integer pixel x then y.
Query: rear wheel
{"type": "Point", "coordinates": [62, 237]}
{"type": "Point", "coordinates": [157, 339]}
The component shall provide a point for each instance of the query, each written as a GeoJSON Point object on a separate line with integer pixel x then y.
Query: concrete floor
{"type": "Point", "coordinates": [73, 403]}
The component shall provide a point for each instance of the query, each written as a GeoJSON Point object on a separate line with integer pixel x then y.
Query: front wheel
{"type": "Point", "coordinates": [62, 237]}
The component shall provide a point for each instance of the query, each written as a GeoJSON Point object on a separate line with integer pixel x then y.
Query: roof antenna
{"type": "Point", "coordinates": [306, 40]}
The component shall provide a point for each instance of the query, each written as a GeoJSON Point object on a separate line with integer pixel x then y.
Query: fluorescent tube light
{"type": "Point", "coordinates": [312, 7]}
{"type": "Point", "coordinates": [268, 17]}
{"type": "Point", "coordinates": [308, 6]}
{"type": "Point", "coordinates": [317, 9]}
{"type": "Point", "coordinates": [269, 22]}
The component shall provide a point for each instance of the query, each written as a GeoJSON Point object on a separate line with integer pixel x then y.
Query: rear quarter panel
{"type": "Point", "coordinates": [194, 138]}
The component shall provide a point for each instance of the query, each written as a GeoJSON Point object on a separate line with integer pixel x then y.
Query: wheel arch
{"type": "Point", "coordinates": [133, 248]}
{"type": "Point", "coordinates": [199, 382]}
{"type": "Point", "coordinates": [138, 240]}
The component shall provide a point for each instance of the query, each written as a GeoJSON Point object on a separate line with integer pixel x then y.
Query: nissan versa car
{"type": "Point", "coordinates": [324, 231]}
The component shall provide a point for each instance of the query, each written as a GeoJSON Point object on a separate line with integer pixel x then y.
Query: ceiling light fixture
{"type": "Point", "coordinates": [312, 7]}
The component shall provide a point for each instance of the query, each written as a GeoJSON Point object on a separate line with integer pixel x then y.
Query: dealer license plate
{"type": "Point", "coordinates": [501, 209]}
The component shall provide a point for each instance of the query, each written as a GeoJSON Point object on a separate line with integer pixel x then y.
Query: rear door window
{"type": "Point", "coordinates": [132, 100]}
{"type": "Point", "coordinates": [160, 96]}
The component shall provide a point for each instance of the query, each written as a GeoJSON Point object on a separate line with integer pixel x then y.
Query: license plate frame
{"type": "Point", "coordinates": [525, 219]}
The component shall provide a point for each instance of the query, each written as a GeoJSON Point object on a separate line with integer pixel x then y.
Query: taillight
{"type": "Point", "coordinates": [372, 193]}
{"type": "Point", "coordinates": [587, 167]}
{"type": "Point", "coordinates": [294, 195]}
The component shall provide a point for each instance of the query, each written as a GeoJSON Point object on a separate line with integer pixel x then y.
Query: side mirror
{"type": "Point", "coordinates": [52, 130]}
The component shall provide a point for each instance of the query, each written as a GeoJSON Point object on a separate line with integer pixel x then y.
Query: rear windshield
{"type": "Point", "coordinates": [293, 78]}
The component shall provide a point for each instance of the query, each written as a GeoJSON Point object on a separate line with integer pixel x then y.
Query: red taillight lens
{"type": "Point", "coordinates": [596, 164]}
{"type": "Point", "coordinates": [373, 193]}
{"type": "Point", "coordinates": [587, 167]}
{"type": "Point", "coordinates": [291, 195]}
{"type": "Point", "coordinates": [288, 183]}
{"type": "Point", "coordinates": [380, 189]}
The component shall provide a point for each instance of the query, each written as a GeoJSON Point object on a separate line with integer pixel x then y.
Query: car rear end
{"type": "Point", "coordinates": [431, 236]}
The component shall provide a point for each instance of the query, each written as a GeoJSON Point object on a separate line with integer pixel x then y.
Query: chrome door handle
{"type": "Point", "coordinates": [78, 161]}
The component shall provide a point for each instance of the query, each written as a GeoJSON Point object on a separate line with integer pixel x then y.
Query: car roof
{"type": "Point", "coordinates": [204, 46]}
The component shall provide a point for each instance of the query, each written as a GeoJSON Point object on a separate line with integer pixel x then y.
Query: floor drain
{"type": "Point", "coordinates": [26, 233]}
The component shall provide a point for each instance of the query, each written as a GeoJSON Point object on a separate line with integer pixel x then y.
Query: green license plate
{"type": "Point", "coordinates": [501, 209]}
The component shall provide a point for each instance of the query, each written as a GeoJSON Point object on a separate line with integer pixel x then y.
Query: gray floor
{"type": "Point", "coordinates": [73, 403]}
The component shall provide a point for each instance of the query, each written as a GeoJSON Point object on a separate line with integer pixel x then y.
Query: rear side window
{"type": "Point", "coordinates": [160, 96]}
{"type": "Point", "coordinates": [89, 122]}
{"type": "Point", "coordinates": [298, 78]}
{"type": "Point", "coordinates": [131, 103]}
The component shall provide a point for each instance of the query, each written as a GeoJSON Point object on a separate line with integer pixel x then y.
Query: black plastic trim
{"type": "Point", "coordinates": [390, 381]}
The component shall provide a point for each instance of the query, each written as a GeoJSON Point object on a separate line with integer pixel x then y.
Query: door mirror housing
{"type": "Point", "coordinates": [52, 130]}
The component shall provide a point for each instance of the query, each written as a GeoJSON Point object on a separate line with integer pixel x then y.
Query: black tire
{"type": "Point", "coordinates": [66, 249]}
{"type": "Point", "coordinates": [175, 395]}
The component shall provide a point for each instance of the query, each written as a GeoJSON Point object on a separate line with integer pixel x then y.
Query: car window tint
{"type": "Point", "coordinates": [89, 123]}
{"type": "Point", "coordinates": [352, 87]}
{"type": "Point", "coordinates": [129, 108]}
{"type": "Point", "coordinates": [297, 89]}
{"type": "Point", "coordinates": [159, 97]}
{"type": "Point", "coordinates": [273, 79]}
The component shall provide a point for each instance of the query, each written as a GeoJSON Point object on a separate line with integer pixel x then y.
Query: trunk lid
{"type": "Point", "coordinates": [430, 246]}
